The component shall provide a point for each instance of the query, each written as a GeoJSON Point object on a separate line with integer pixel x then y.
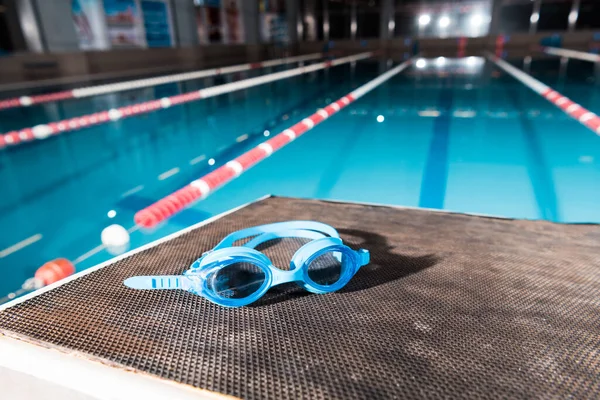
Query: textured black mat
{"type": "Point", "coordinates": [451, 306]}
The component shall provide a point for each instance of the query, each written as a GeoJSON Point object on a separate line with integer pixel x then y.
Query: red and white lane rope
{"type": "Point", "coordinates": [581, 55]}
{"type": "Point", "coordinates": [574, 110]}
{"type": "Point", "coordinates": [25, 101]}
{"type": "Point", "coordinates": [55, 128]}
{"type": "Point", "coordinates": [201, 188]}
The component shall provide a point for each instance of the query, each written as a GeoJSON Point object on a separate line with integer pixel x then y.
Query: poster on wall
{"type": "Point", "coordinates": [273, 23]}
{"type": "Point", "coordinates": [234, 24]}
{"type": "Point", "coordinates": [88, 18]}
{"type": "Point", "coordinates": [124, 23]}
{"type": "Point", "coordinates": [157, 23]}
{"type": "Point", "coordinates": [201, 26]}
{"type": "Point", "coordinates": [208, 20]}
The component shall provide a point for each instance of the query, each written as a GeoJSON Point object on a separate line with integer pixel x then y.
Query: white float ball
{"type": "Point", "coordinates": [115, 238]}
{"type": "Point", "coordinates": [26, 101]}
{"type": "Point", "coordinates": [41, 131]}
{"type": "Point", "coordinates": [165, 102]}
{"type": "Point", "coordinates": [114, 114]}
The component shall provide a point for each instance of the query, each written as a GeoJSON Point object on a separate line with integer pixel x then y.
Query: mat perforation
{"type": "Point", "coordinates": [451, 306]}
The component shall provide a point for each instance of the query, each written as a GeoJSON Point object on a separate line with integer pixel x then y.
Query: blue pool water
{"type": "Point", "coordinates": [457, 137]}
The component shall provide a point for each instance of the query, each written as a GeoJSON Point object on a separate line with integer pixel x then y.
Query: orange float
{"type": "Point", "coordinates": [55, 270]}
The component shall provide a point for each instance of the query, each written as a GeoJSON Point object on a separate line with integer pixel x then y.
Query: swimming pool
{"type": "Point", "coordinates": [457, 135]}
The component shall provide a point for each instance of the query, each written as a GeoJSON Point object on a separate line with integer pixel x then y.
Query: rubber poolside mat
{"type": "Point", "coordinates": [451, 306]}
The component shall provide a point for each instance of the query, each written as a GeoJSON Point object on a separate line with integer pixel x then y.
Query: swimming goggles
{"type": "Point", "coordinates": [235, 276]}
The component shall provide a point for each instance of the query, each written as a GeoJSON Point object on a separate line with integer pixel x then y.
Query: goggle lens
{"type": "Point", "coordinates": [327, 268]}
{"type": "Point", "coordinates": [236, 281]}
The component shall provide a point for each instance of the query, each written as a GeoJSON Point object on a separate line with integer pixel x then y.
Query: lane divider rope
{"type": "Point", "coordinates": [580, 55]}
{"type": "Point", "coordinates": [202, 187]}
{"type": "Point", "coordinates": [42, 131]}
{"type": "Point", "coordinates": [26, 101]}
{"type": "Point", "coordinates": [569, 107]}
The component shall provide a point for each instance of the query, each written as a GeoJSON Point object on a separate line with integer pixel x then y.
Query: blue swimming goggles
{"type": "Point", "coordinates": [235, 276]}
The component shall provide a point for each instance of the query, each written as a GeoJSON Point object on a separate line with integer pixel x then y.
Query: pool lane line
{"type": "Point", "coordinates": [435, 175]}
{"type": "Point", "coordinates": [42, 131]}
{"type": "Point", "coordinates": [569, 107]}
{"type": "Point", "coordinates": [200, 188]}
{"type": "Point", "coordinates": [538, 169]}
{"type": "Point", "coordinates": [580, 55]}
{"type": "Point", "coordinates": [169, 173]}
{"type": "Point", "coordinates": [241, 138]}
{"type": "Point", "coordinates": [198, 159]}
{"type": "Point", "coordinates": [20, 245]}
{"type": "Point", "coordinates": [133, 191]}
{"type": "Point", "coordinates": [343, 150]}
{"type": "Point", "coordinates": [26, 101]}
